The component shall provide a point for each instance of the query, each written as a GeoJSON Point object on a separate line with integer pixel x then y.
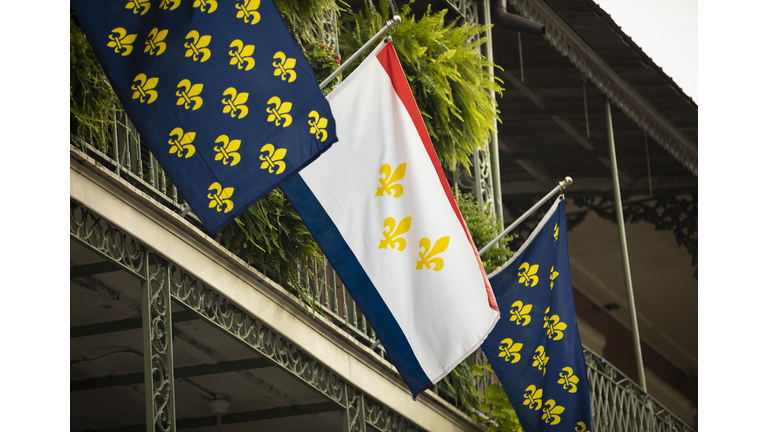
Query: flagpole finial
{"type": "Point", "coordinates": [395, 21]}
{"type": "Point", "coordinates": [567, 181]}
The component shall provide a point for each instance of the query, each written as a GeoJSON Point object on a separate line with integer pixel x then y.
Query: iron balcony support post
{"type": "Point", "coordinates": [623, 244]}
{"type": "Point", "coordinates": [159, 392]}
{"type": "Point", "coordinates": [494, 144]}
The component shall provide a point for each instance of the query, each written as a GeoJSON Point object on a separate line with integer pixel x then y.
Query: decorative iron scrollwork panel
{"type": "Point", "coordinates": [386, 420]}
{"type": "Point", "coordinates": [93, 231]}
{"type": "Point", "coordinates": [219, 311]}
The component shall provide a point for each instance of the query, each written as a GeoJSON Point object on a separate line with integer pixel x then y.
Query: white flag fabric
{"type": "Point", "coordinates": [379, 206]}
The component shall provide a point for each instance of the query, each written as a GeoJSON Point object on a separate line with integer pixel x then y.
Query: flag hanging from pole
{"type": "Point", "coordinates": [535, 348]}
{"type": "Point", "coordinates": [380, 208]}
{"type": "Point", "coordinates": [219, 91]}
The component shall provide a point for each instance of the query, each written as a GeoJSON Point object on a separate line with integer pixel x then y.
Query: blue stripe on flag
{"type": "Point", "coordinates": [358, 283]}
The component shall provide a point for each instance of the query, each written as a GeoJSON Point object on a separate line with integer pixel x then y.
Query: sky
{"type": "Point", "coordinates": [667, 31]}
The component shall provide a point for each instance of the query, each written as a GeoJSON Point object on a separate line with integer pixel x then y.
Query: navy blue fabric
{"type": "Point", "coordinates": [543, 328]}
{"type": "Point", "coordinates": [259, 77]}
{"type": "Point", "coordinates": [358, 284]}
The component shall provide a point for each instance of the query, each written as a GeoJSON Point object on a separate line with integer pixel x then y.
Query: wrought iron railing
{"type": "Point", "coordinates": [618, 404]}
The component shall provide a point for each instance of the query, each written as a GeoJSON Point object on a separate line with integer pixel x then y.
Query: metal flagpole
{"type": "Point", "coordinates": [557, 190]}
{"type": "Point", "coordinates": [389, 26]}
{"type": "Point", "coordinates": [624, 250]}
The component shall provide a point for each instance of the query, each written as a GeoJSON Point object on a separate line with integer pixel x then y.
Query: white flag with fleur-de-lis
{"type": "Point", "coordinates": [379, 206]}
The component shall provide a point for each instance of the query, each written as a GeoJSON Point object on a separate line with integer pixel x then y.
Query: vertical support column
{"type": "Point", "coordinates": [494, 144]}
{"type": "Point", "coordinates": [477, 174]}
{"type": "Point", "coordinates": [624, 250]}
{"type": "Point", "coordinates": [353, 416]}
{"type": "Point", "coordinates": [159, 393]}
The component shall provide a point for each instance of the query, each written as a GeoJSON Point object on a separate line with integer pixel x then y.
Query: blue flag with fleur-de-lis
{"type": "Point", "coordinates": [220, 92]}
{"type": "Point", "coordinates": [535, 348]}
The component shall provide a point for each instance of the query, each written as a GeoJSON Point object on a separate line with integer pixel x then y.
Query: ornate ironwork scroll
{"type": "Point", "coordinates": [109, 242]}
{"type": "Point", "coordinates": [678, 215]}
{"type": "Point", "coordinates": [221, 313]}
{"type": "Point", "coordinates": [386, 420]}
{"type": "Point", "coordinates": [618, 404]}
{"type": "Point", "coordinates": [158, 350]}
{"type": "Point", "coordinates": [351, 418]}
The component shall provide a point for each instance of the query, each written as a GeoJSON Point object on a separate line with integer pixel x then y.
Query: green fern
{"type": "Point", "coordinates": [448, 76]}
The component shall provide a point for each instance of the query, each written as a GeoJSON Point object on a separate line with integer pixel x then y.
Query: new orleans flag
{"type": "Point", "coordinates": [381, 210]}
{"type": "Point", "coordinates": [219, 91]}
{"type": "Point", "coordinates": [535, 349]}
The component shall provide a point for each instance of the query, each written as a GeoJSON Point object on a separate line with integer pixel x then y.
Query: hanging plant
{"type": "Point", "coordinates": [92, 102]}
{"type": "Point", "coordinates": [447, 74]}
{"type": "Point", "coordinates": [324, 61]}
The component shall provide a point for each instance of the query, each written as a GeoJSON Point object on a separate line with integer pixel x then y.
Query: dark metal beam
{"type": "Point", "coordinates": [547, 112]}
{"type": "Point", "coordinates": [125, 324]}
{"type": "Point", "coordinates": [605, 193]}
{"type": "Point", "coordinates": [249, 416]}
{"type": "Point", "coordinates": [586, 154]}
{"type": "Point", "coordinates": [539, 66]}
{"type": "Point", "coordinates": [184, 372]}
{"type": "Point", "coordinates": [92, 269]}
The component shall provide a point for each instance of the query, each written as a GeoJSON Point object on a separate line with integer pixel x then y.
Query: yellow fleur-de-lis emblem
{"type": "Point", "coordinates": [143, 88]}
{"type": "Point", "coordinates": [520, 313]}
{"type": "Point", "coordinates": [247, 10]}
{"type": "Point", "coordinates": [203, 4]}
{"type": "Point", "coordinates": [528, 274]}
{"type": "Point", "coordinates": [155, 41]}
{"type": "Point", "coordinates": [220, 198]}
{"type": "Point", "coordinates": [392, 235]}
{"type": "Point", "coordinates": [427, 257]}
{"type": "Point", "coordinates": [227, 152]}
{"type": "Point", "coordinates": [540, 360]}
{"type": "Point", "coordinates": [557, 231]}
{"type": "Point", "coordinates": [532, 397]}
{"type": "Point", "coordinates": [509, 350]}
{"type": "Point", "coordinates": [554, 326]}
{"type": "Point", "coordinates": [121, 40]}
{"type": "Point", "coordinates": [170, 4]}
{"type": "Point", "coordinates": [387, 182]}
{"type": "Point", "coordinates": [241, 55]}
{"type": "Point", "coordinates": [189, 95]}
{"type": "Point", "coordinates": [196, 45]}
{"type": "Point", "coordinates": [138, 6]}
{"type": "Point", "coordinates": [182, 144]}
{"type": "Point", "coordinates": [568, 379]}
{"type": "Point", "coordinates": [550, 412]}
{"type": "Point", "coordinates": [272, 159]}
{"type": "Point", "coordinates": [318, 125]}
{"type": "Point", "coordinates": [279, 112]}
{"type": "Point", "coordinates": [581, 427]}
{"type": "Point", "coordinates": [235, 103]}
{"type": "Point", "coordinates": [284, 67]}
{"type": "Point", "coordinates": [552, 275]}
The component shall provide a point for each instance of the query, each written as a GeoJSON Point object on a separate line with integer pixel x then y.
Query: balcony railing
{"type": "Point", "coordinates": [618, 404]}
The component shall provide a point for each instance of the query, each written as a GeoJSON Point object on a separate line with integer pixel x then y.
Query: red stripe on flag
{"type": "Point", "coordinates": [391, 64]}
